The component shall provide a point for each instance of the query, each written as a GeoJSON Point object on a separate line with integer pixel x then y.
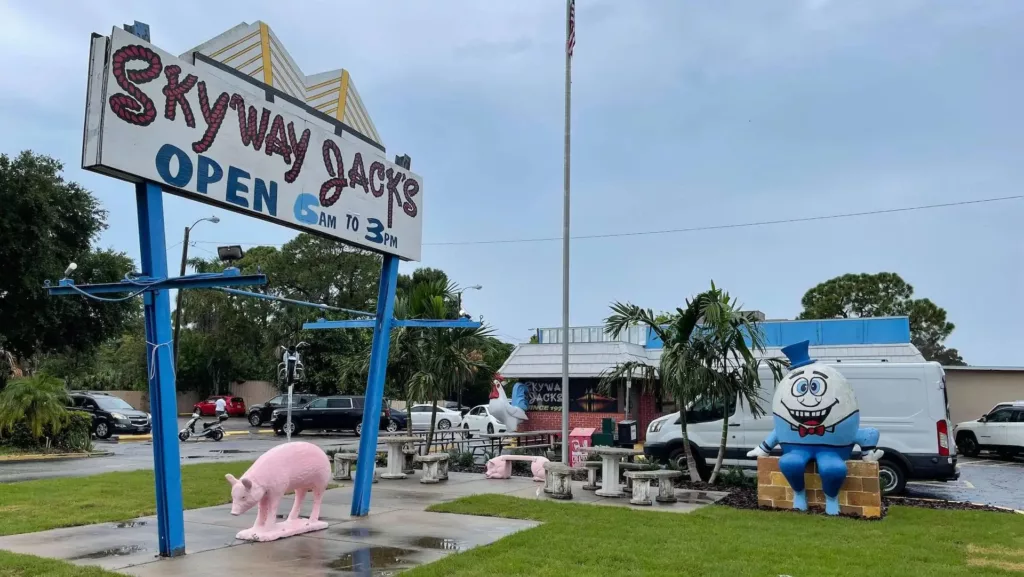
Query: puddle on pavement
{"type": "Point", "coordinates": [356, 532]}
{"type": "Point", "coordinates": [441, 543]}
{"type": "Point", "coordinates": [112, 552]}
{"type": "Point", "coordinates": [375, 561]}
{"type": "Point", "coordinates": [130, 524]}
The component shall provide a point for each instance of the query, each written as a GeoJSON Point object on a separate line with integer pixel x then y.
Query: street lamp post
{"type": "Point", "coordinates": [177, 303]}
{"type": "Point", "coordinates": [474, 287]}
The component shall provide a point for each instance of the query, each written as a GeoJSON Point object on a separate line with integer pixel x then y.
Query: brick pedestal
{"type": "Point", "coordinates": [861, 494]}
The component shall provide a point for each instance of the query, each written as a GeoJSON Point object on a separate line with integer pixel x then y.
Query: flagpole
{"type": "Point", "coordinates": [569, 41]}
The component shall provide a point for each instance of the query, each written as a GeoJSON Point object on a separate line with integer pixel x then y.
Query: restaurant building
{"type": "Point", "coordinates": [592, 354]}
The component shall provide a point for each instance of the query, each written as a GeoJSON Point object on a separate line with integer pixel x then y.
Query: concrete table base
{"type": "Point", "coordinates": [396, 456]}
{"type": "Point", "coordinates": [592, 484]}
{"type": "Point", "coordinates": [343, 466]}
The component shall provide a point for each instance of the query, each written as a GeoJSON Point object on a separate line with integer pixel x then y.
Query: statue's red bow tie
{"type": "Point", "coordinates": [819, 430]}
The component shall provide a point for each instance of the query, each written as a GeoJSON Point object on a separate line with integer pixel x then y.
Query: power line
{"type": "Point", "coordinates": [695, 228]}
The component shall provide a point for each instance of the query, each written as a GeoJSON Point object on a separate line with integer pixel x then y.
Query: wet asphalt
{"type": "Point", "coordinates": [986, 479]}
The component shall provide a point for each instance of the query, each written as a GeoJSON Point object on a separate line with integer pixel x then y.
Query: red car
{"type": "Point", "coordinates": [208, 408]}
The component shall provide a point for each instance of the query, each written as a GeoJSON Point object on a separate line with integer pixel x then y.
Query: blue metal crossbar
{"type": "Point", "coordinates": [296, 302]}
{"type": "Point", "coordinates": [144, 284]}
{"type": "Point", "coordinates": [321, 324]}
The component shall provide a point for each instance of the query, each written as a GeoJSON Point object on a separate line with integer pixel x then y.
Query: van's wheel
{"type": "Point", "coordinates": [967, 444]}
{"type": "Point", "coordinates": [102, 430]}
{"type": "Point", "coordinates": [678, 458]}
{"type": "Point", "coordinates": [255, 420]}
{"type": "Point", "coordinates": [891, 477]}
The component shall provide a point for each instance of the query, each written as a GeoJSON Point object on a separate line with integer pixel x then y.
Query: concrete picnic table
{"type": "Point", "coordinates": [396, 458]}
{"type": "Point", "coordinates": [610, 457]}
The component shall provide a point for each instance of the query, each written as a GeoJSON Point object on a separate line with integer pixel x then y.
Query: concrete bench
{"type": "Point", "coordinates": [559, 478]}
{"type": "Point", "coordinates": [431, 467]}
{"type": "Point", "coordinates": [593, 468]}
{"type": "Point", "coordinates": [343, 466]}
{"type": "Point", "coordinates": [628, 486]}
{"type": "Point", "coordinates": [501, 467]}
{"type": "Point", "coordinates": [642, 486]}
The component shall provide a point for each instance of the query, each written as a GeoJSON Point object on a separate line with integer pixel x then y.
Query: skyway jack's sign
{"type": "Point", "coordinates": [150, 116]}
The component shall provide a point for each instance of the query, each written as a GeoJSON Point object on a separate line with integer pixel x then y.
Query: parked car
{"type": "Point", "coordinates": [400, 418]}
{"type": "Point", "coordinates": [335, 413]}
{"type": "Point", "coordinates": [110, 414]}
{"type": "Point", "coordinates": [906, 402]}
{"type": "Point", "coordinates": [1000, 430]}
{"type": "Point", "coordinates": [446, 418]}
{"type": "Point", "coordinates": [208, 408]}
{"type": "Point", "coordinates": [480, 420]}
{"type": "Point", "coordinates": [261, 413]}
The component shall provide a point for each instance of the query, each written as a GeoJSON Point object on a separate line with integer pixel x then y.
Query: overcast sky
{"type": "Point", "coordinates": [685, 114]}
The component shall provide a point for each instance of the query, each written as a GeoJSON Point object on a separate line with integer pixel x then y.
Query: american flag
{"type": "Point", "coordinates": [571, 42]}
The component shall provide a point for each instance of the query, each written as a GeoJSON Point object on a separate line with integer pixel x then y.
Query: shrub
{"type": "Point", "coordinates": [74, 437]}
{"type": "Point", "coordinates": [461, 459]}
{"type": "Point", "coordinates": [39, 402]}
{"type": "Point", "coordinates": [735, 477]}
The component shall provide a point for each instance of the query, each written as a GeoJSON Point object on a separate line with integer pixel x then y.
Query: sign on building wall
{"type": "Point", "coordinates": [151, 116]}
{"type": "Point", "coordinates": [586, 396]}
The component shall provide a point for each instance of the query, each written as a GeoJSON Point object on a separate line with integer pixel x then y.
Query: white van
{"type": "Point", "coordinates": [906, 402]}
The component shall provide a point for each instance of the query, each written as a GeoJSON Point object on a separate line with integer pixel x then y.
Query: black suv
{"type": "Point", "coordinates": [110, 414]}
{"type": "Point", "coordinates": [259, 414]}
{"type": "Point", "coordinates": [337, 413]}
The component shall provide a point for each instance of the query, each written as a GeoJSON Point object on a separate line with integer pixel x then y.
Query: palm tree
{"type": "Point", "coordinates": [669, 376]}
{"type": "Point", "coordinates": [40, 402]}
{"type": "Point", "coordinates": [705, 356]}
{"type": "Point", "coordinates": [723, 367]}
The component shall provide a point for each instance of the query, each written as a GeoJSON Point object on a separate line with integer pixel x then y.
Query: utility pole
{"type": "Point", "coordinates": [177, 300]}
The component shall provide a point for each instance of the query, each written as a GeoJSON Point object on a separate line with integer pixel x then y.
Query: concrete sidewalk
{"type": "Point", "coordinates": [398, 534]}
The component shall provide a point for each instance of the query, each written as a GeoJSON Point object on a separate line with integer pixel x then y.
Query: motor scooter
{"type": "Point", "coordinates": [212, 430]}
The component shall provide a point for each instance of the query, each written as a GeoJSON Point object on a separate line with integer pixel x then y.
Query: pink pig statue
{"type": "Point", "coordinates": [298, 467]}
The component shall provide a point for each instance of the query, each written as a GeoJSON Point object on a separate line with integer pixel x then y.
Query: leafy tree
{"type": "Point", "coordinates": [47, 222]}
{"type": "Point", "coordinates": [39, 401]}
{"type": "Point", "coordinates": [880, 295]}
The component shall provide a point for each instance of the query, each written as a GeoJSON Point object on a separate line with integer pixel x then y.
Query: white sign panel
{"type": "Point", "coordinates": [151, 116]}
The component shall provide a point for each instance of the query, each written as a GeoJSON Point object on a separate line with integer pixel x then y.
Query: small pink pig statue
{"type": "Point", "coordinates": [298, 467]}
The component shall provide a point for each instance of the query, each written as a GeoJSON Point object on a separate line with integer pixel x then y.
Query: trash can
{"type": "Point", "coordinates": [627, 433]}
{"type": "Point", "coordinates": [579, 438]}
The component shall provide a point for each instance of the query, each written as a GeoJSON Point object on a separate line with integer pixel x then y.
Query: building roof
{"type": "Point", "coordinates": [254, 50]}
{"type": "Point", "coordinates": [593, 359]}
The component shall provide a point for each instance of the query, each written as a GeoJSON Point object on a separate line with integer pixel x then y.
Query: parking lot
{"type": "Point", "coordinates": [984, 479]}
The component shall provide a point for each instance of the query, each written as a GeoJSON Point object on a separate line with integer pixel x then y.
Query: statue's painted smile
{"type": "Point", "coordinates": [811, 418]}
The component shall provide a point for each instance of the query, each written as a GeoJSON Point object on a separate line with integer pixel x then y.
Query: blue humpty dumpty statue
{"type": "Point", "coordinates": [816, 417]}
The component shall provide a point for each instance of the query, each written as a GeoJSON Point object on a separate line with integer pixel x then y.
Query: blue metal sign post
{"type": "Point", "coordinates": [154, 286]}
{"type": "Point", "coordinates": [163, 401]}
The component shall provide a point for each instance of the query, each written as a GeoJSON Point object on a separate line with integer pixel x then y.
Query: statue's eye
{"type": "Point", "coordinates": [800, 387]}
{"type": "Point", "coordinates": [818, 387]}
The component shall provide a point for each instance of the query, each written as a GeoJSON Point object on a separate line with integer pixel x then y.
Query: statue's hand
{"type": "Point", "coordinates": [757, 452]}
{"type": "Point", "coordinates": [872, 456]}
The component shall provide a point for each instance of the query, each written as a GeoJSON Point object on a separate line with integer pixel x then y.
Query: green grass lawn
{"type": "Point", "coordinates": [53, 503]}
{"type": "Point", "coordinates": [14, 565]}
{"type": "Point", "coordinates": [581, 540]}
